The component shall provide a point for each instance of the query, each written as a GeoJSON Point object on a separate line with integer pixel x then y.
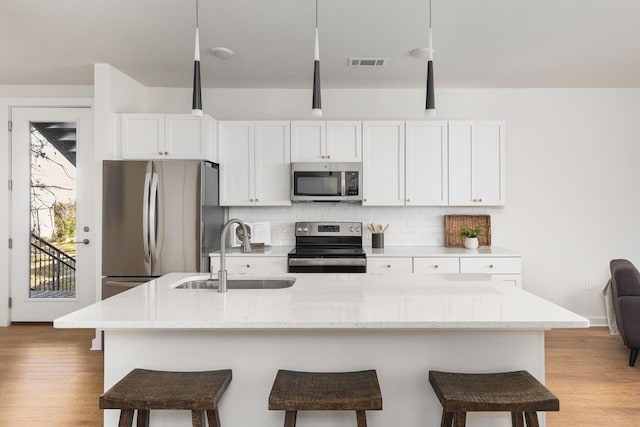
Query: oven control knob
{"type": "Point", "coordinates": [351, 229]}
{"type": "Point", "coordinates": [305, 229]}
{"type": "Point", "coordinates": [299, 229]}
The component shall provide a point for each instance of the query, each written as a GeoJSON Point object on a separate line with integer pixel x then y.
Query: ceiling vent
{"type": "Point", "coordinates": [368, 62]}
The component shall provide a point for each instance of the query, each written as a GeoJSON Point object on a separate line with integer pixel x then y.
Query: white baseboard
{"type": "Point", "coordinates": [598, 321]}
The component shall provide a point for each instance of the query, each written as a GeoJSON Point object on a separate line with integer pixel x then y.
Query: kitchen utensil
{"type": "Point", "coordinates": [371, 229]}
{"type": "Point", "coordinates": [385, 228]}
{"type": "Point", "coordinates": [379, 228]}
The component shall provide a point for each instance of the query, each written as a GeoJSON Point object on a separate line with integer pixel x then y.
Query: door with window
{"type": "Point", "coordinates": [52, 212]}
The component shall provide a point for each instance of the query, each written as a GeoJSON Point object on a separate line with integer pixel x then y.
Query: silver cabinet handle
{"type": "Point", "coordinates": [84, 242]}
{"type": "Point", "coordinates": [388, 265]}
{"type": "Point", "coordinates": [435, 266]}
{"type": "Point", "coordinates": [248, 266]}
{"type": "Point", "coordinates": [490, 265]}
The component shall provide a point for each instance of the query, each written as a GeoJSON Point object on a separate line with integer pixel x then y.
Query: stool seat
{"type": "Point", "coordinates": [516, 392]}
{"type": "Point", "coordinates": [143, 390]}
{"type": "Point", "coordinates": [294, 391]}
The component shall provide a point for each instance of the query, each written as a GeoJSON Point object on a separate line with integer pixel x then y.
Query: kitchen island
{"type": "Point", "coordinates": [402, 326]}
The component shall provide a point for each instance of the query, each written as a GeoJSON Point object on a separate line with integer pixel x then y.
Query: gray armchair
{"type": "Point", "coordinates": [625, 286]}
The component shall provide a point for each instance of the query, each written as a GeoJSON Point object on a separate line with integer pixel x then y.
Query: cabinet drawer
{"type": "Point", "coordinates": [493, 265]}
{"type": "Point", "coordinates": [253, 265]}
{"type": "Point", "coordinates": [435, 265]}
{"type": "Point", "coordinates": [389, 265]}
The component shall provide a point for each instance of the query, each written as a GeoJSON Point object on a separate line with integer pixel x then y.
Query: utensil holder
{"type": "Point", "coordinates": [377, 240]}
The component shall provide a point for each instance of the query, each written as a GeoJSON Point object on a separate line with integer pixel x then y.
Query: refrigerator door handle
{"type": "Point", "coordinates": [145, 217]}
{"type": "Point", "coordinates": [152, 217]}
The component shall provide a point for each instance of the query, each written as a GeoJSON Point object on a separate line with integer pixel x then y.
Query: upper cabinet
{"type": "Point", "coordinates": [167, 136]}
{"type": "Point", "coordinates": [255, 165]}
{"type": "Point", "coordinates": [426, 163]}
{"type": "Point", "coordinates": [383, 164]}
{"type": "Point", "coordinates": [319, 141]}
{"type": "Point", "coordinates": [476, 163]}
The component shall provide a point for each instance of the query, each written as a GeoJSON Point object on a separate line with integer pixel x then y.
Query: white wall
{"type": "Point", "coordinates": [572, 202]}
{"type": "Point", "coordinates": [11, 96]}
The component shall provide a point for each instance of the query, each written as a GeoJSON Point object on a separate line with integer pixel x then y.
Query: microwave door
{"type": "Point", "coordinates": [317, 184]}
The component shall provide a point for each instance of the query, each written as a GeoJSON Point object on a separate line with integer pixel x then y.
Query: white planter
{"type": "Point", "coordinates": [471, 242]}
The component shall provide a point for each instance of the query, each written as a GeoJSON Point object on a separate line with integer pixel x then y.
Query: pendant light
{"type": "Point", "coordinates": [431, 100]}
{"type": "Point", "coordinates": [316, 103]}
{"type": "Point", "coordinates": [196, 104]}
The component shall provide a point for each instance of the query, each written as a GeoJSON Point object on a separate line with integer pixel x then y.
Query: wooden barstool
{"type": "Point", "coordinates": [516, 392]}
{"type": "Point", "coordinates": [315, 391]}
{"type": "Point", "coordinates": [143, 390]}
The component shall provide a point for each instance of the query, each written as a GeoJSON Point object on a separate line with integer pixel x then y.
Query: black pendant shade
{"type": "Point", "coordinates": [317, 101]}
{"type": "Point", "coordinates": [196, 104]}
{"type": "Point", "coordinates": [431, 97]}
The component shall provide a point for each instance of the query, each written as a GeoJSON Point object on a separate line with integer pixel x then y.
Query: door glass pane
{"type": "Point", "coordinates": [53, 210]}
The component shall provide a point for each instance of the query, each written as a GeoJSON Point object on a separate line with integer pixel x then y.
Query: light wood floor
{"type": "Point", "coordinates": [49, 377]}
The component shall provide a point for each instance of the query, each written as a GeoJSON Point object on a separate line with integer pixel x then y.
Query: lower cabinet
{"type": "Point", "coordinates": [252, 264]}
{"type": "Point", "coordinates": [389, 265]}
{"type": "Point", "coordinates": [434, 265]}
{"type": "Point", "coordinates": [507, 269]}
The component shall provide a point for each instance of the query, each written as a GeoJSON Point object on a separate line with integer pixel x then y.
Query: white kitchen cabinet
{"type": "Point", "coordinates": [167, 136]}
{"type": "Point", "coordinates": [506, 269]}
{"type": "Point", "coordinates": [476, 163]}
{"type": "Point", "coordinates": [254, 163]}
{"type": "Point", "coordinates": [333, 141]}
{"type": "Point", "coordinates": [436, 265]}
{"type": "Point", "coordinates": [389, 265]}
{"type": "Point", "coordinates": [426, 166]}
{"type": "Point", "coordinates": [383, 162]}
{"type": "Point", "coordinates": [247, 264]}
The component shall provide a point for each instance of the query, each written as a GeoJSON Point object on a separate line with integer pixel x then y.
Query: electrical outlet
{"type": "Point", "coordinates": [587, 285]}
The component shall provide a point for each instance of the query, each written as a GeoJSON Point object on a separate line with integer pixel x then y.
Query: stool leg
{"type": "Point", "coordinates": [126, 418]}
{"type": "Point", "coordinates": [362, 418]}
{"type": "Point", "coordinates": [516, 419]}
{"type": "Point", "coordinates": [143, 418]}
{"type": "Point", "coordinates": [290, 418]}
{"type": "Point", "coordinates": [213, 417]}
{"type": "Point", "coordinates": [447, 419]}
{"type": "Point", "coordinates": [197, 418]}
{"type": "Point", "coordinates": [532, 419]}
{"type": "Point", "coordinates": [460, 419]}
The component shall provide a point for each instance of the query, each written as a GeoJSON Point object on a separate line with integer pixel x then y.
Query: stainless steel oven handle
{"type": "Point", "coordinates": [303, 262]}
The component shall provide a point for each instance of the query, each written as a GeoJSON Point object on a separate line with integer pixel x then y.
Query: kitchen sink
{"type": "Point", "coordinates": [239, 284]}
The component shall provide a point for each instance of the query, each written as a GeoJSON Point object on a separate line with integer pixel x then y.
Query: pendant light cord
{"type": "Point", "coordinates": [430, 13]}
{"type": "Point", "coordinates": [197, 21]}
{"type": "Point", "coordinates": [316, 13]}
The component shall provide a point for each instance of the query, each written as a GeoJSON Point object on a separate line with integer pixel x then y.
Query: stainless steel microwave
{"type": "Point", "coordinates": [326, 182]}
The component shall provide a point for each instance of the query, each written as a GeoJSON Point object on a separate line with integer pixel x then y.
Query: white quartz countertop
{"type": "Point", "coordinates": [390, 251]}
{"type": "Point", "coordinates": [329, 301]}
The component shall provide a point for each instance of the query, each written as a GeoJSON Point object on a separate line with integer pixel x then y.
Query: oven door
{"type": "Point", "coordinates": [327, 265]}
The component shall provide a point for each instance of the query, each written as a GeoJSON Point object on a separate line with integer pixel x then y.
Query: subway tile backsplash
{"type": "Point", "coordinates": [408, 226]}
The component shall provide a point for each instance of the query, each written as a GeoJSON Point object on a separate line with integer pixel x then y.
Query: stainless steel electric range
{"type": "Point", "coordinates": [328, 247]}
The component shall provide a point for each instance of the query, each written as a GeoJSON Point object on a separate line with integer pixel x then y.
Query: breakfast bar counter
{"type": "Point", "coordinates": [402, 326]}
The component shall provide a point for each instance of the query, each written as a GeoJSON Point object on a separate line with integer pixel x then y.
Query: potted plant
{"type": "Point", "coordinates": [471, 236]}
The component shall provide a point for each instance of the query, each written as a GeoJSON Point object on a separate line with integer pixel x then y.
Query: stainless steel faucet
{"type": "Point", "coordinates": [222, 273]}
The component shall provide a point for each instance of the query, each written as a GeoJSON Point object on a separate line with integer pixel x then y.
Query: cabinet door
{"type": "Point", "coordinates": [383, 164]}
{"type": "Point", "coordinates": [272, 164]}
{"type": "Point", "coordinates": [436, 265]}
{"type": "Point", "coordinates": [235, 144]}
{"type": "Point", "coordinates": [184, 136]}
{"type": "Point", "coordinates": [491, 265]}
{"type": "Point", "coordinates": [344, 142]}
{"type": "Point", "coordinates": [255, 265]}
{"type": "Point", "coordinates": [461, 140]}
{"type": "Point", "coordinates": [142, 136]}
{"type": "Point", "coordinates": [490, 164]}
{"type": "Point", "coordinates": [389, 265]}
{"type": "Point", "coordinates": [426, 164]}
{"type": "Point", "coordinates": [308, 141]}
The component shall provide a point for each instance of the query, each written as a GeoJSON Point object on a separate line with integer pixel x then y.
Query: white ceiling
{"type": "Point", "coordinates": [478, 43]}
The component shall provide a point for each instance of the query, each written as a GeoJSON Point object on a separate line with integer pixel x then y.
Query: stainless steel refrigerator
{"type": "Point", "coordinates": [158, 217]}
